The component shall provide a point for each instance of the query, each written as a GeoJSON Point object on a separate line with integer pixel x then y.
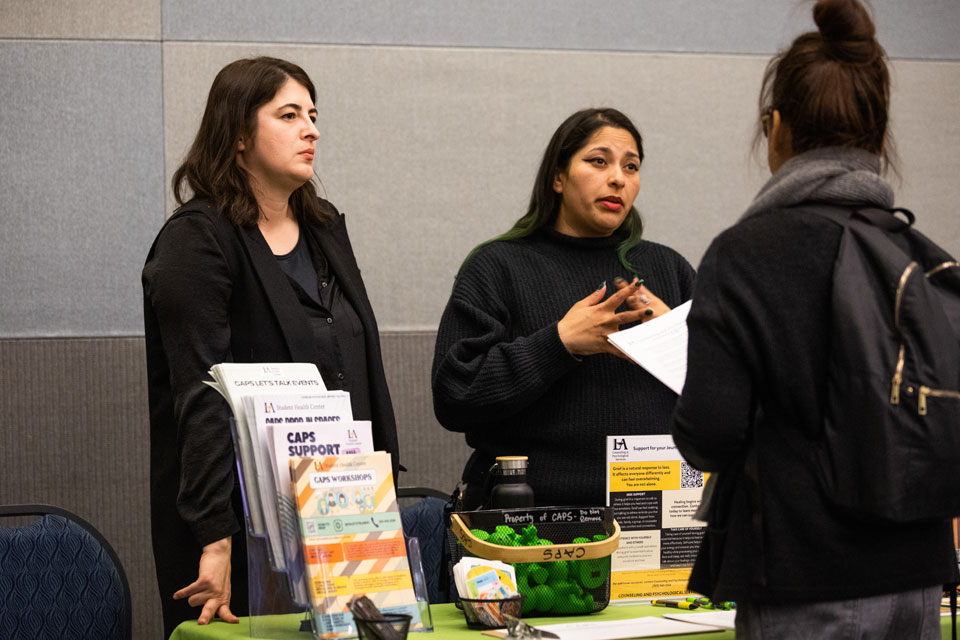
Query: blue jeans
{"type": "Point", "coordinates": [907, 615]}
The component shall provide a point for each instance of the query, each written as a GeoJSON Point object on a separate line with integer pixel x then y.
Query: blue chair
{"type": "Point", "coordinates": [425, 520]}
{"type": "Point", "coordinates": [59, 578]}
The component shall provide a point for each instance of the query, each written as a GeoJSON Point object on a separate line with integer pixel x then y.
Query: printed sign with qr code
{"type": "Point", "coordinates": [654, 494]}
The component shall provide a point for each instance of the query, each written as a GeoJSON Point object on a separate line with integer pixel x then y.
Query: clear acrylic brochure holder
{"type": "Point", "coordinates": [419, 584]}
{"type": "Point", "coordinates": [279, 603]}
{"type": "Point", "coordinates": [273, 611]}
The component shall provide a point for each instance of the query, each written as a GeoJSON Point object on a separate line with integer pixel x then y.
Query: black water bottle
{"type": "Point", "coordinates": [511, 490]}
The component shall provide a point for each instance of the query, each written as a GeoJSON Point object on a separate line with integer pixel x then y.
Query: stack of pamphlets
{"type": "Point", "coordinates": [483, 585]}
{"type": "Point", "coordinates": [481, 579]}
{"type": "Point", "coordinates": [283, 411]}
{"type": "Point", "coordinates": [352, 539]}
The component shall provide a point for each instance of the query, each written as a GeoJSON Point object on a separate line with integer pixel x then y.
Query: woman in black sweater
{"type": "Point", "coordinates": [522, 365]}
{"type": "Point", "coordinates": [752, 405]}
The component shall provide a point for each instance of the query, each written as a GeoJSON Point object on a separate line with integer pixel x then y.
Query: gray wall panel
{"type": "Point", "coordinates": [926, 129]}
{"type": "Point", "coordinates": [921, 29]}
{"type": "Point", "coordinates": [81, 170]}
{"type": "Point", "coordinates": [433, 456]}
{"type": "Point", "coordinates": [75, 435]}
{"type": "Point", "coordinates": [98, 19]}
{"type": "Point", "coordinates": [430, 151]}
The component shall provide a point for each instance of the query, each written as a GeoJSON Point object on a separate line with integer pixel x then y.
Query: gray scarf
{"type": "Point", "coordinates": [838, 175]}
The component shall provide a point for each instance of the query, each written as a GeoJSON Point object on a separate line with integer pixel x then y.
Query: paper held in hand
{"type": "Point", "coordinates": [659, 346]}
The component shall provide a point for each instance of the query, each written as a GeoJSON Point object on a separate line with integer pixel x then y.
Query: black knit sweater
{"type": "Point", "coordinates": [502, 376]}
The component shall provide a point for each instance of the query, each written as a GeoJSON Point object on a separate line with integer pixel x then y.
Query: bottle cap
{"type": "Point", "coordinates": [512, 465]}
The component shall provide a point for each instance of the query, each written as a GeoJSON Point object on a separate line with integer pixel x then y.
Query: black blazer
{"type": "Point", "coordinates": [213, 292]}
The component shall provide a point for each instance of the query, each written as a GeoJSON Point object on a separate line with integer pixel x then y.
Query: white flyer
{"type": "Point", "coordinates": [659, 346]}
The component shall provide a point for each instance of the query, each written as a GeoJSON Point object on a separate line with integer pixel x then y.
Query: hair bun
{"type": "Point", "coordinates": [847, 30]}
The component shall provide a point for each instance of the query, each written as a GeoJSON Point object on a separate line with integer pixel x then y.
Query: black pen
{"type": "Point", "coordinates": [674, 604]}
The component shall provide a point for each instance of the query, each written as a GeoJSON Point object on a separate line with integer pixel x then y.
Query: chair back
{"type": "Point", "coordinates": [425, 519]}
{"type": "Point", "coordinates": [60, 578]}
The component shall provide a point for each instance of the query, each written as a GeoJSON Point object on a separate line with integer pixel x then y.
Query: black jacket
{"type": "Point", "coordinates": [752, 402]}
{"type": "Point", "coordinates": [214, 292]}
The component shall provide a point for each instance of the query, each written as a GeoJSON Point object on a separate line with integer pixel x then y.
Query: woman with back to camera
{"type": "Point", "coordinates": [254, 268]}
{"type": "Point", "coordinates": [522, 364]}
{"type": "Point", "coordinates": [797, 566]}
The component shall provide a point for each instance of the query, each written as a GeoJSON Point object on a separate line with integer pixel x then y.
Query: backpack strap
{"type": "Point", "coordinates": [887, 219]}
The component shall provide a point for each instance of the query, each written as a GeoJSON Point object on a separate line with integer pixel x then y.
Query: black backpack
{"type": "Point", "coordinates": [891, 443]}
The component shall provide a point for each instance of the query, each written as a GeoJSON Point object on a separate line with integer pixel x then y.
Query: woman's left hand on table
{"type": "Point", "coordinates": [212, 587]}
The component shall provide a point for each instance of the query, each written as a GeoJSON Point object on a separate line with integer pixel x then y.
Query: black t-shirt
{"type": "Point", "coordinates": [336, 325]}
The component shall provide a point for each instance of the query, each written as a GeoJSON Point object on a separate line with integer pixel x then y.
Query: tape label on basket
{"type": "Point", "coordinates": [518, 516]}
{"type": "Point", "coordinates": [654, 495]}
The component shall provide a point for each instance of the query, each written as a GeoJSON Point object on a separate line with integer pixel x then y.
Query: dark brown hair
{"type": "Point", "coordinates": [210, 168]}
{"type": "Point", "coordinates": [571, 136]}
{"type": "Point", "coordinates": [832, 87]}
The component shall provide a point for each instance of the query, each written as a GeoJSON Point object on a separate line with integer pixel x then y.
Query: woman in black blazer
{"type": "Point", "coordinates": [254, 268]}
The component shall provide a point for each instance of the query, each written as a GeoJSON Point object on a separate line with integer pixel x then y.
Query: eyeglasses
{"type": "Point", "coordinates": [766, 121]}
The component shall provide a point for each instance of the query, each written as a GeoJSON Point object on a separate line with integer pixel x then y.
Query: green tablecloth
{"type": "Point", "coordinates": [447, 619]}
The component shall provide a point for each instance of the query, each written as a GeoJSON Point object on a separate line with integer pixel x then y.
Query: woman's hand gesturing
{"type": "Point", "coordinates": [642, 299]}
{"type": "Point", "coordinates": [585, 327]}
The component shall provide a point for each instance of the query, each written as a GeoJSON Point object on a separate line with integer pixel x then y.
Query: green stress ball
{"type": "Point", "coordinates": [590, 573]}
{"type": "Point", "coordinates": [480, 534]}
{"type": "Point", "coordinates": [569, 603]}
{"type": "Point", "coordinates": [523, 586]}
{"type": "Point", "coordinates": [529, 603]}
{"type": "Point", "coordinates": [558, 570]}
{"type": "Point", "coordinates": [586, 602]}
{"type": "Point", "coordinates": [567, 586]}
{"type": "Point", "coordinates": [529, 536]}
{"type": "Point", "coordinates": [538, 574]}
{"type": "Point", "coordinates": [566, 592]}
{"type": "Point", "coordinates": [544, 596]}
{"type": "Point", "coordinates": [562, 587]}
{"type": "Point", "coordinates": [581, 540]}
{"type": "Point", "coordinates": [522, 571]}
{"type": "Point", "coordinates": [499, 538]}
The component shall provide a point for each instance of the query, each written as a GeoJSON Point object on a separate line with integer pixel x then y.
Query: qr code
{"type": "Point", "coordinates": [690, 478]}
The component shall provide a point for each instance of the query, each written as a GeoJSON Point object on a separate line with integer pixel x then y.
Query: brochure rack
{"type": "Point", "coordinates": [275, 612]}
